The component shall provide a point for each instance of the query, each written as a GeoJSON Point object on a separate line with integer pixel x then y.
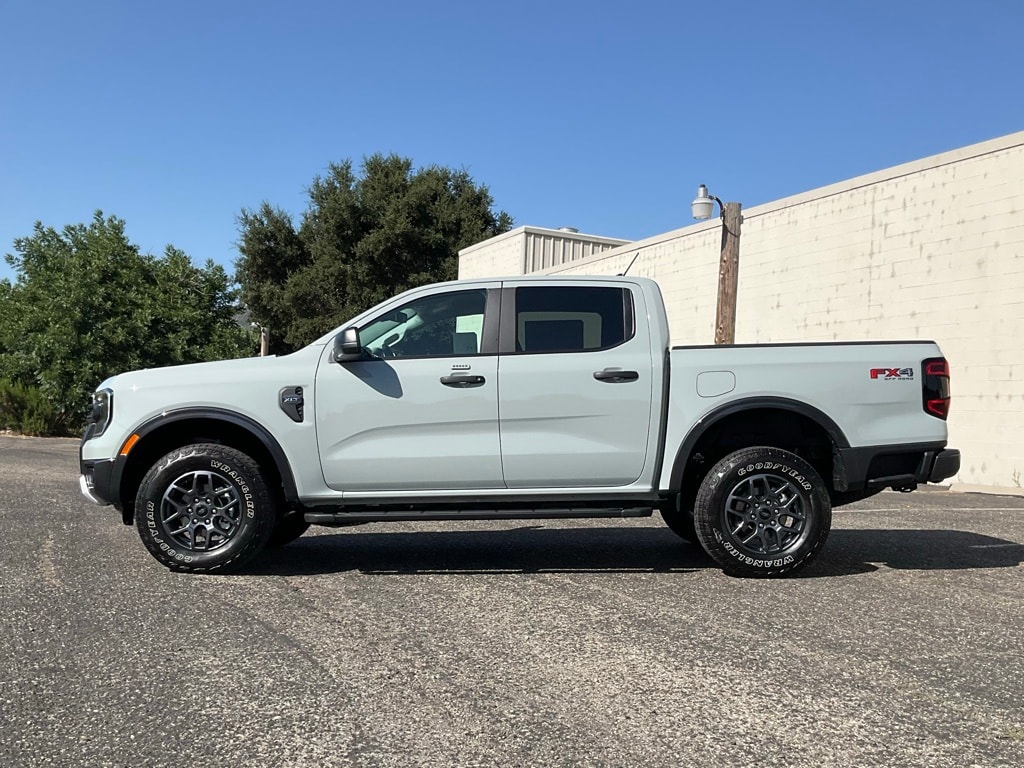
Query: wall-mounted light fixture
{"type": "Point", "coordinates": [703, 204]}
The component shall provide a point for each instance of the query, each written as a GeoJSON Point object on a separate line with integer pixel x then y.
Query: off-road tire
{"type": "Point", "coordinates": [762, 512]}
{"type": "Point", "coordinates": [204, 508]}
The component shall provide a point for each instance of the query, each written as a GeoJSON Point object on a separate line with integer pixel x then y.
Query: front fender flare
{"type": "Point", "coordinates": [207, 414]}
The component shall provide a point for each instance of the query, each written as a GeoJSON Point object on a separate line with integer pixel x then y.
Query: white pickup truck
{"type": "Point", "coordinates": [533, 397]}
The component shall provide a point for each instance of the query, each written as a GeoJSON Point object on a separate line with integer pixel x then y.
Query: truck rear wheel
{"type": "Point", "coordinates": [762, 512]}
{"type": "Point", "coordinates": [204, 508]}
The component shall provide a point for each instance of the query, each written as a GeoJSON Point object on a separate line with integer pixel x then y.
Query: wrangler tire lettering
{"type": "Point", "coordinates": [207, 508]}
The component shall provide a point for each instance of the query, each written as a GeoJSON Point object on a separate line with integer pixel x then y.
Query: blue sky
{"type": "Point", "coordinates": [601, 116]}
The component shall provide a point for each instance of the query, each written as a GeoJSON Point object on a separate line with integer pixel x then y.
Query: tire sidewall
{"type": "Point", "coordinates": [255, 522]}
{"type": "Point", "coordinates": [710, 507]}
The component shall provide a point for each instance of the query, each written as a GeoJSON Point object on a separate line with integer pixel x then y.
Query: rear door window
{"type": "Point", "coordinates": [572, 319]}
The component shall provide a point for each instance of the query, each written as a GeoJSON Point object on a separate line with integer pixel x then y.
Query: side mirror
{"type": "Point", "coordinates": [347, 347]}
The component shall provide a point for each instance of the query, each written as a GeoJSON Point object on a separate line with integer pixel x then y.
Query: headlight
{"type": "Point", "coordinates": [101, 412]}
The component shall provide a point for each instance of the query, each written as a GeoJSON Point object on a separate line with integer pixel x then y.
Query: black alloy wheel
{"type": "Point", "coordinates": [762, 512]}
{"type": "Point", "coordinates": [204, 508]}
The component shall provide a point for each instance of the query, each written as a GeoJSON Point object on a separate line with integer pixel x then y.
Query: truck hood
{"type": "Point", "coordinates": [196, 377]}
{"type": "Point", "coordinates": [173, 375]}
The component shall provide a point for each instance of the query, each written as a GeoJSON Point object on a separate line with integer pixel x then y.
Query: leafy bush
{"type": "Point", "coordinates": [26, 410]}
{"type": "Point", "coordinates": [87, 304]}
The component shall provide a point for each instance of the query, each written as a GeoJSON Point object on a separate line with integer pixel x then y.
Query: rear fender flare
{"type": "Point", "coordinates": [710, 419]}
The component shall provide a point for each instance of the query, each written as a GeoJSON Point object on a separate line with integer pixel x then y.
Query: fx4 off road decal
{"type": "Point", "coordinates": [893, 374]}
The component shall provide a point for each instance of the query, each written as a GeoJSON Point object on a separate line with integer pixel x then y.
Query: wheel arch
{"type": "Point", "coordinates": [758, 421]}
{"type": "Point", "coordinates": [174, 429]}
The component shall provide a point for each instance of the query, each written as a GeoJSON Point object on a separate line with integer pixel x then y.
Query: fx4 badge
{"type": "Point", "coordinates": [893, 374]}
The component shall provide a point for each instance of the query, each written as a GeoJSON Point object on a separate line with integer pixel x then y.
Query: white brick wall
{"type": "Point", "coordinates": [930, 249]}
{"type": "Point", "coordinates": [499, 256]}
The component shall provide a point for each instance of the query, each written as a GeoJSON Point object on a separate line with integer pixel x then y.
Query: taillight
{"type": "Point", "coordinates": [935, 385]}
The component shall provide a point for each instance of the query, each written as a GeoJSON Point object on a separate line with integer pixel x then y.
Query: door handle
{"type": "Point", "coordinates": [614, 376]}
{"type": "Point", "coordinates": [462, 380]}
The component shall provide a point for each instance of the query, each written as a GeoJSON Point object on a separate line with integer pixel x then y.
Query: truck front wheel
{"type": "Point", "coordinates": [204, 508]}
{"type": "Point", "coordinates": [762, 512]}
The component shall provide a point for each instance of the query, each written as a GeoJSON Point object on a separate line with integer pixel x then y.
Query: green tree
{"type": "Point", "coordinates": [361, 239]}
{"type": "Point", "coordinates": [86, 304]}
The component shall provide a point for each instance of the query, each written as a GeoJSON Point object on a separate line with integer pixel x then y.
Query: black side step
{"type": "Point", "coordinates": [405, 515]}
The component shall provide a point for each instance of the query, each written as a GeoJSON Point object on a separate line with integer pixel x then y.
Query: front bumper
{"type": "Point", "coordinates": [96, 481]}
{"type": "Point", "coordinates": [85, 486]}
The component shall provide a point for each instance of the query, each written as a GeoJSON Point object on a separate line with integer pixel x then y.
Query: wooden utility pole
{"type": "Point", "coordinates": [728, 274]}
{"type": "Point", "coordinates": [264, 341]}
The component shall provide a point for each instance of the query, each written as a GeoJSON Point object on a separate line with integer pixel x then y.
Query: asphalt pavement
{"type": "Point", "coordinates": [549, 643]}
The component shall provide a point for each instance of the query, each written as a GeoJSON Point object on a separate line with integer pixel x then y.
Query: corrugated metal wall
{"type": "Point", "coordinates": [550, 249]}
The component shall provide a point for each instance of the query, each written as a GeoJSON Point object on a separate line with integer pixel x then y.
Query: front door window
{"type": "Point", "coordinates": [441, 325]}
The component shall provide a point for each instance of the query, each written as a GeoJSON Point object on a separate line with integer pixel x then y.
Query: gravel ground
{"type": "Point", "coordinates": [563, 643]}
